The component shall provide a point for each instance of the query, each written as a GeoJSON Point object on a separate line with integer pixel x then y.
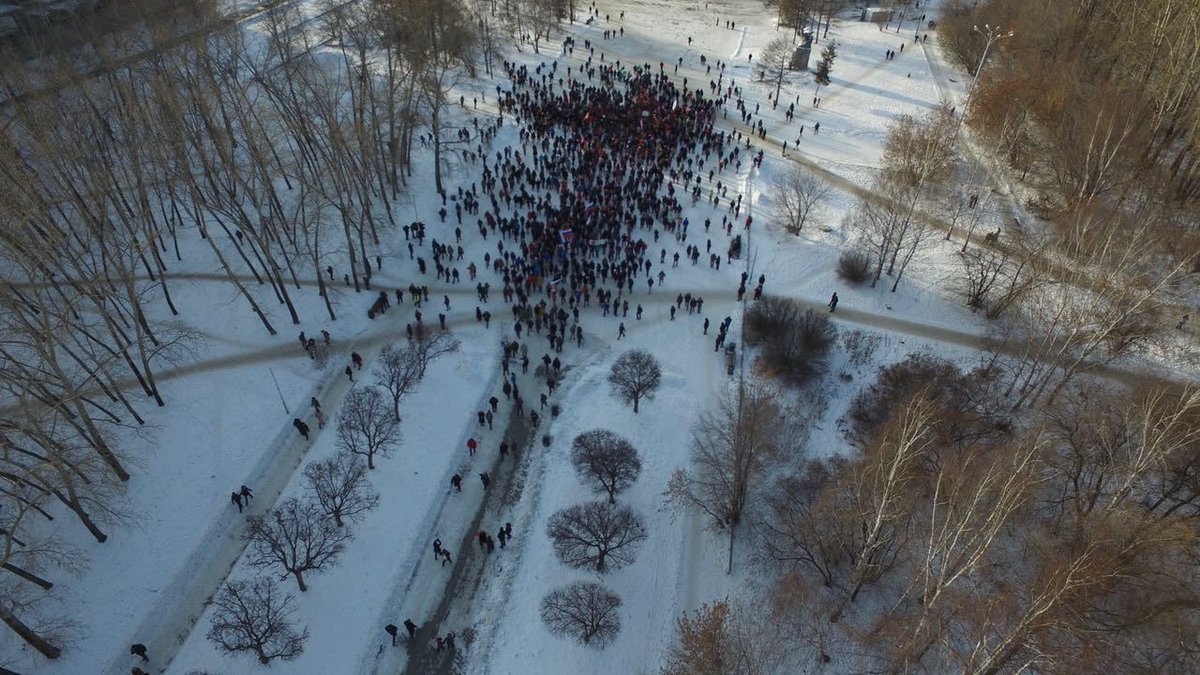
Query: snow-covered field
{"type": "Point", "coordinates": [226, 424]}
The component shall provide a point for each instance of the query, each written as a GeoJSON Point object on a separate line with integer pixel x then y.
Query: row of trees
{"type": "Point", "coordinates": [308, 535]}
{"type": "Point", "coordinates": [297, 537]}
{"type": "Point", "coordinates": [107, 179]}
{"type": "Point", "coordinates": [595, 535]}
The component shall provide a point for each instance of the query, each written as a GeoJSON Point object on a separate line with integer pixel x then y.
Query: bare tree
{"type": "Point", "coordinates": [798, 194]}
{"type": "Point", "coordinates": [255, 616]}
{"type": "Point", "coordinates": [296, 536]}
{"type": "Point", "coordinates": [795, 14]}
{"type": "Point", "coordinates": [773, 62]}
{"type": "Point", "coordinates": [399, 370]}
{"type": "Point", "coordinates": [729, 448]}
{"type": "Point", "coordinates": [1088, 313]}
{"type": "Point", "coordinates": [606, 461]}
{"type": "Point", "coordinates": [794, 526]}
{"type": "Point", "coordinates": [635, 375]}
{"type": "Point", "coordinates": [975, 499]}
{"type": "Point", "coordinates": [401, 367]}
{"type": "Point", "coordinates": [916, 165]}
{"type": "Point", "coordinates": [875, 509]}
{"type": "Point", "coordinates": [993, 280]}
{"type": "Point", "coordinates": [430, 344]}
{"type": "Point", "coordinates": [725, 639]}
{"type": "Point", "coordinates": [596, 534]}
{"type": "Point", "coordinates": [340, 485]}
{"type": "Point", "coordinates": [365, 426]}
{"type": "Point", "coordinates": [27, 556]}
{"type": "Point", "coordinates": [584, 611]}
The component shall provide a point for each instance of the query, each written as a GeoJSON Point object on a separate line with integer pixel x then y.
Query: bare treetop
{"type": "Point", "coordinates": [597, 535]}
{"type": "Point", "coordinates": [606, 461]}
{"type": "Point", "coordinates": [635, 376]}
{"type": "Point", "coordinates": [255, 616]}
{"type": "Point", "coordinates": [365, 426]}
{"type": "Point", "coordinates": [296, 536]}
{"type": "Point", "coordinates": [585, 611]}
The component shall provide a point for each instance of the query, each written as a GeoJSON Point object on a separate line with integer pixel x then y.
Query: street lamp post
{"type": "Point", "coordinates": [992, 34]}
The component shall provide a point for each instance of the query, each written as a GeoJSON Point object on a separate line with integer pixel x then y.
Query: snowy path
{"type": "Point", "coordinates": [424, 590]}
{"type": "Point", "coordinates": [174, 615]}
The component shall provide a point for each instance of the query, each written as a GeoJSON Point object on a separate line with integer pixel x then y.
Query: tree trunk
{"type": "Point", "coordinates": [236, 282]}
{"type": "Point", "coordinates": [27, 634]}
{"type": "Point", "coordinates": [28, 576]}
{"type": "Point", "coordinates": [300, 580]}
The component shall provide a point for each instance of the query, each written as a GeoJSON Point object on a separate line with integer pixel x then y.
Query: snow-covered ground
{"type": "Point", "coordinates": [228, 416]}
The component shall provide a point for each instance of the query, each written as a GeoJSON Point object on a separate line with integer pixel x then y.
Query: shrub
{"type": "Point", "coordinates": [854, 266]}
{"type": "Point", "coordinates": [770, 316]}
{"type": "Point", "coordinates": [969, 403]}
{"type": "Point", "coordinates": [795, 343]}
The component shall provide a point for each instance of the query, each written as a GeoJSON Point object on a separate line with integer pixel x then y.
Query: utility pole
{"type": "Point", "coordinates": [281, 399]}
{"type": "Point", "coordinates": [992, 34]}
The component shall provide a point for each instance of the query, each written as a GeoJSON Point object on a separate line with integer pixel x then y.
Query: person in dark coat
{"type": "Point", "coordinates": [485, 479]}
{"type": "Point", "coordinates": [494, 402]}
{"type": "Point", "coordinates": [247, 494]}
{"type": "Point", "coordinates": [350, 373]}
{"type": "Point", "coordinates": [437, 547]}
{"type": "Point", "coordinates": [503, 537]}
{"type": "Point", "coordinates": [833, 303]}
{"type": "Point", "coordinates": [236, 499]}
{"type": "Point", "coordinates": [357, 360]}
{"type": "Point", "coordinates": [301, 427]}
{"type": "Point", "coordinates": [139, 650]}
{"type": "Point", "coordinates": [508, 530]}
{"type": "Point", "coordinates": [456, 482]}
{"type": "Point", "coordinates": [411, 627]}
